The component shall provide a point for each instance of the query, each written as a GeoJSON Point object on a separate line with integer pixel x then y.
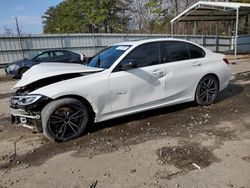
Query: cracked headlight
{"type": "Point", "coordinates": [24, 100]}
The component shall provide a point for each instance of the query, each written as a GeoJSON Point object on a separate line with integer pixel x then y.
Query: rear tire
{"type": "Point", "coordinates": [207, 90]}
{"type": "Point", "coordinates": [64, 119]}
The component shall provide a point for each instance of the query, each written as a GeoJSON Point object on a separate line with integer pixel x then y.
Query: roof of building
{"type": "Point", "coordinates": [213, 11]}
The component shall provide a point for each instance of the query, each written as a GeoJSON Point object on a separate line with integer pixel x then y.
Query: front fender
{"type": "Point", "coordinates": [93, 88]}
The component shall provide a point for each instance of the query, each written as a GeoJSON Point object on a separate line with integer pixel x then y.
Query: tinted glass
{"type": "Point", "coordinates": [108, 56]}
{"type": "Point", "coordinates": [145, 55]}
{"type": "Point", "coordinates": [44, 56]}
{"type": "Point", "coordinates": [34, 56]}
{"type": "Point", "coordinates": [195, 51]}
{"type": "Point", "coordinates": [59, 53]}
{"type": "Point", "coordinates": [176, 51]}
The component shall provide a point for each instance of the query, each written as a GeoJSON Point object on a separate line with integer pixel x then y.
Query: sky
{"type": "Point", "coordinates": [28, 13]}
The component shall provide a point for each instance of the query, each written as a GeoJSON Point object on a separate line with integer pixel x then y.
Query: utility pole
{"type": "Point", "coordinates": [19, 36]}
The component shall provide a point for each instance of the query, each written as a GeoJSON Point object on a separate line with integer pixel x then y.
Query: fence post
{"type": "Point", "coordinates": [122, 37]}
{"type": "Point", "coordinates": [216, 43]}
{"type": "Point", "coordinates": [21, 44]}
{"type": "Point", "coordinates": [19, 37]}
{"type": "Point", "coordinates": [94, 42]}
{"type": "Point", "coordinates": [204, 41]}
{"type": "Point", "coordinates": [61, 39]}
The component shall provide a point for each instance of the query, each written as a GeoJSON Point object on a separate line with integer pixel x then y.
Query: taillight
{"type": "Point", "coordinates": [226, 60]}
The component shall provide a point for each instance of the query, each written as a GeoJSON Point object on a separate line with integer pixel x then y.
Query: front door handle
{"type": "Point", "coordinates": [158, 73]}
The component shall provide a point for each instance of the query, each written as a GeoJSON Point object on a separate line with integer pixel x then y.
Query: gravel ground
{"type": "Point", "coordinates": [180, 146]}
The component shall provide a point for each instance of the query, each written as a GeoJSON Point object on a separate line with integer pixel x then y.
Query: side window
{"type": "Point", "coordinates": [195, 51]}
{"type": "Point", "coordinates": [176, 51]}
{"type": "Point", "coordinates": [145, 54]}
{"type": "Point", "coordinates": [59, 54]}
{"type": "Point", "coordinates": [44, 56]}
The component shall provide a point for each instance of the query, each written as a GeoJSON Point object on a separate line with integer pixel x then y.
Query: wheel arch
{"type": "Point", "coordinates": [84, 101]}
{"type": "Point", "coordinates": [210, 74]}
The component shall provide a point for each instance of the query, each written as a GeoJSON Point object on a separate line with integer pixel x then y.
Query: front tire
{"type": "Point", "coordinates": [207, 90]}
{"type": "Point", "coordinates": [64, 119]}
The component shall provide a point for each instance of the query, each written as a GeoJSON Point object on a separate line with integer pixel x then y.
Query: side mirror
{"type": "Point", "coordinates": [128, 64]}
{"type": "Point", "coordinates": [37, 59]}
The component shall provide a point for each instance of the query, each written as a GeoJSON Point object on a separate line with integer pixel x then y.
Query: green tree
{"type": "Point", "coordinates": [150, 16]}
{"type": "Point", "coordinates": [76, 16]}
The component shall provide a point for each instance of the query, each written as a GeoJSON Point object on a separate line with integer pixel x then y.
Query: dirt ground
{"type": "Point", "coordinates": [180, 146]}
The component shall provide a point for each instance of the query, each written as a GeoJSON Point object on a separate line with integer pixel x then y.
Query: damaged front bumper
{"type": "Point", "coordinates": [26, 119]}
{"type": "Point", "coordinates": [26, 109]}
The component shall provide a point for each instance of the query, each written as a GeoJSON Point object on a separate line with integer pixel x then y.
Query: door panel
{"type": "Point", "coordinates": [183, 73]}
{"type": "Point", "coordinates": [142, 85]}
{"type": "Point", "coordinates": [181, 79]}
{"type": "Point", "coordinates": [137, 87]}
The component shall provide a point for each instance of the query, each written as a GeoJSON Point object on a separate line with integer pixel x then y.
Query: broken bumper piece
{"type": "Point", "coordinates": [23, 118]}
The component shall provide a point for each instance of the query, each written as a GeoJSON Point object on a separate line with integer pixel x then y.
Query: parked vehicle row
{"type": "Point", "coordinates": [126, 78]}
{"type": "Point", "coordinates": [17, 68]}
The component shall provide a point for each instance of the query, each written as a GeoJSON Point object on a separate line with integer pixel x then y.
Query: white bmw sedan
{"type": "Point", "coordinates": [63, 99]}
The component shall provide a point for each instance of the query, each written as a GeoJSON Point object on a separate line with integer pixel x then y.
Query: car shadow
{"type": "Point", "coordinates": [242, 77]}
{"type": "Point", "coordinates": [229, 92]}
{"type": "Point", "coordinates": [234, 87]}
{"type": "Point", "coordinates": [140, 116]}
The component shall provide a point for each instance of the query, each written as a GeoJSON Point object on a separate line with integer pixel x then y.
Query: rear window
{"type": "Point", "coordinates": [59, 53]}
{"type": "Point", "coordinates": [176, 51]}
{"type": "Point", "coordinates": [195, 51]}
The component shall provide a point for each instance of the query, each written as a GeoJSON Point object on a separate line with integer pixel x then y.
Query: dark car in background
{"type": "Point", "coordinates": [17, 68]}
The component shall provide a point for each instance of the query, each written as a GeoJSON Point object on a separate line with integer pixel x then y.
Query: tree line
{"type": "Point", "coordinates": [117, 16]}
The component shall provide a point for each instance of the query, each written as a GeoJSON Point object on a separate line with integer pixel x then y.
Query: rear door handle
{"type": "Point", "coordinates": [196, 64]}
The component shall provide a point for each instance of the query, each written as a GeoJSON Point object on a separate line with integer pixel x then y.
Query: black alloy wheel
{"type": "Point", "coordinates": [64, 119]}
{"type": "Point", "coordinates": [207, 90]}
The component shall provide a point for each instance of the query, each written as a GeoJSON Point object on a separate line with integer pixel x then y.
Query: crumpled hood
{"type": "Point", "coordinates": [46, 70]}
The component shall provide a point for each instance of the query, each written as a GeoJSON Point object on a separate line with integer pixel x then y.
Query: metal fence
{"type": "Point", "coordinates": [12, 47]}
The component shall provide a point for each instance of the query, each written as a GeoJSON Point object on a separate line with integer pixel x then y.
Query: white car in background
{"type": "Point", "coordinates": [62, 99]}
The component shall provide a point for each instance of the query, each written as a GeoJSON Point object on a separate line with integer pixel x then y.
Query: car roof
{"type": "Point", "coordinates": [53, 50]}
{"type": "Point", "coordinates": [139, 42]}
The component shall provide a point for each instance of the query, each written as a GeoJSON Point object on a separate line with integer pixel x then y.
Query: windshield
{"type": "Point", "coordinates": [108, 56]}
